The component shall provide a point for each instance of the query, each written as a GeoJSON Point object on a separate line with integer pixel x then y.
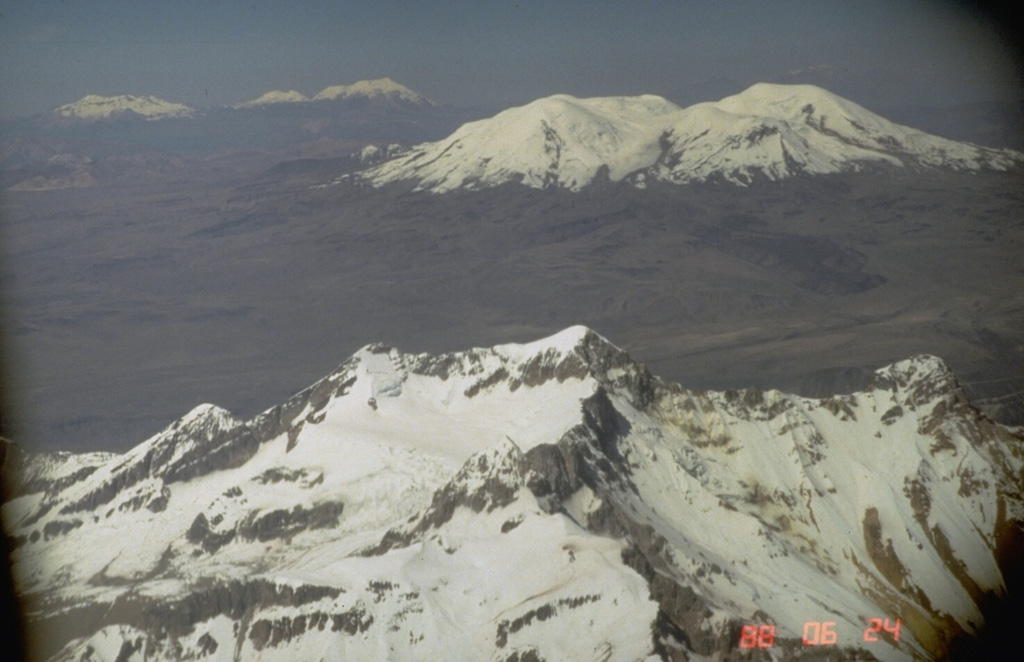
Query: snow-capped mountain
{"type": "Point", "coordinates": [95, 107]}
{"type": "Point", "coordinates": [556, 141]}
{"type": "Point", "coordinates": [483, 504]}
{"type": "Point", "coordinates": [768, 131]}
{"type": "Point", "coordinates": [274, 97]}
{"type": "Point", "coordinates": [381, 88]}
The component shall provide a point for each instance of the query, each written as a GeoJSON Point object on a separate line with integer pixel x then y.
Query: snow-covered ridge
{"type": "Point", "coordinates": [274, 97]}
{"type": "Point", "coordinates": [373, 89]}
{"type": "Point", "coordinates": [768, 131]}
{"type": "Point", "coordinates": [96, 107]}
{"type": "Point", "coordinates": [480, 504]}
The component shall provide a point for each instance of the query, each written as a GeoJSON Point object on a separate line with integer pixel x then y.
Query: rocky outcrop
{"type": "Point", "coordinates": [206, 440]}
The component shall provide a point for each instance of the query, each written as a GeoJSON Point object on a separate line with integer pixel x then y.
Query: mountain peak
{"type": "Point", "coordinates": [274, 97]}
{"type": "Point", "coordinates": [562, 342]}
{"type": "Point", "coordinates": [93, 107]}
{"type": "Point", "coordinates": [380, 88]}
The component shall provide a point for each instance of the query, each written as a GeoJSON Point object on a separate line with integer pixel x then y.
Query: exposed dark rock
{"type": "Point", "coordinates": [282, 418]}
{"type": "Point", "coordinates": [58, 527]}
{"type": "Point", "coordinates": [224, 450]}
{"type": "Point", "coordinates": [892, 415]}
{"type": "Point", "coordinates": [443, 365]}
{"type": "Point", "coordinates": [600, 415]}
{"type": "Point", "coordinates": [281, 474]}
{"type": "Point", "coordinates": [293, 436]}
{"type": "Point", "coordinates": [506, 627]}
{"type": "Point", "coordinates": [882, 553]}
{"type": "Point", "coordinates": [494, 378]}
{"type": "Point", "coordinates": [379, 588]}
{"type": "Point", "coordinates": [128, 648]}
{"type": "Point", "coordinates": [353, 621]}
{"type": "Point", "coordinates": [232, 599]}
{"type": "Point", "coordinates": [526, 655]}
{"type": "Point", "coordinates": [201, 534]}
{"type": "Point", "coordinates": [551, 471]}
{"type": "Point", "coordinates": [207, 645]}
{"type": "Point", "coordinates": [158, 504]}
{"type": "Point", "coordinates": [278, 419]}
{"type": "Point", "coordinates": [284, 524]}
{"type": "Point", "coordinates": [264, 632]}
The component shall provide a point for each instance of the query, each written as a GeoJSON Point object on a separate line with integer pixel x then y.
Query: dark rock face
{"type": "Point", "coordinates": [282, 418]}
{"type": "Point", "coordinates": [496, 377]}
{"type": "Point", "coordinates": [232, 599]}
{"type": "Point", "coordinates": [56, 528]}
{"type": "Point", "coordinates": [201, 534]}
{"type": "Point", "coordinates": [207, 645]}
{"type": "Point", "coordinates": [552, 472]}
{"type": "Point", "coordinates": [283, 524]}
{"type": "Point", "coordinates": [225, 450]}
{"type": "Point", "coordinates": [280, 524]}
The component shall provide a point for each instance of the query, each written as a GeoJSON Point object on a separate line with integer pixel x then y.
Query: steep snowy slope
{"type": "Point", "coordinates": [769, 131]}
{"type": "Point", "coordinates": [95, 107]}
{"type": "Point", "coordinates": [485, 504]}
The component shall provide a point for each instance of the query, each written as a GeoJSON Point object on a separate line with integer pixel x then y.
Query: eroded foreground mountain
{"type": "Point", "coordinates": [546, 501]}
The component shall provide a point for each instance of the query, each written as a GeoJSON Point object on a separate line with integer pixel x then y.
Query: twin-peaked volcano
{"type": "Point", "coordinates": [484, 503]}
{"type": "Point", "coordinates": [768, 131]}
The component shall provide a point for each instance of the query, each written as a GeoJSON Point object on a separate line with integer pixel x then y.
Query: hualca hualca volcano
{"type": "Point", "coordinates": [543, 501]}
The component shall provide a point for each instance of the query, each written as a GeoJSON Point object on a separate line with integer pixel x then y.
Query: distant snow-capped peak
{"type": "Point", "coordinates": [556, 141]}
{"type": "Point", "coordinates": [96, 107]}
{"type": "Point", "coordinates": [768, 131]}
{"type": "Point", "coordinates": [373, 89]}
{"type": "Point", "coordinates": [272, 97]}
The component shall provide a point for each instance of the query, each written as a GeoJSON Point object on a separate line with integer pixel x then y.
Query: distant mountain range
{"type": "Point", "coordinates": [93, 107]}
{"type": "Point", "coordinates": [768, 132]}
{"type": "Point", "coordinates": [485, 504]}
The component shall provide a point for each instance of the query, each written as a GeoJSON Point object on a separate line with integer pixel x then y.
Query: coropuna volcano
{"type": "Point", "coordinates": [546, 501]}
{"type": "Point", "coordinates": [768, 131]}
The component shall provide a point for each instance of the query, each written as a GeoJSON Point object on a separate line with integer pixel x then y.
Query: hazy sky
{"type": "Point", "coordinates": [496, 53]}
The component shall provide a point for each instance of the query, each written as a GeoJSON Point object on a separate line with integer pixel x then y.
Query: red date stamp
{"type": "Point", "coordinates": [817, 633]}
